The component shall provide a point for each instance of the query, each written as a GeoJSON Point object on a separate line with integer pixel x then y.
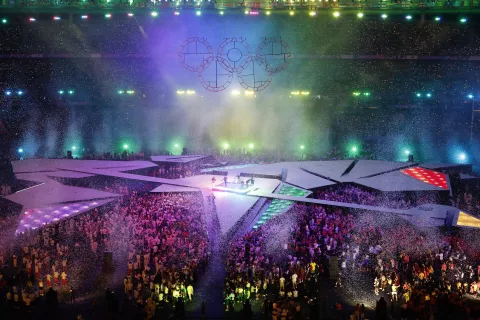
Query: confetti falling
{"type": "Point", "coordinates": [60, 90]}
{"type": "Point", "coordinates": [390, 59]}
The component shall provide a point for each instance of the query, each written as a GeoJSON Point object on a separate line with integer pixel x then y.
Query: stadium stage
{"type": "Point", "coordinates": [277, 187]}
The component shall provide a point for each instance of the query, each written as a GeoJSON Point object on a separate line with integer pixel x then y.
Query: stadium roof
{"type": "Point", "coordinates": [276, 5]}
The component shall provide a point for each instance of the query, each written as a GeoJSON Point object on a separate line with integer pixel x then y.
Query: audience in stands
{"type": "Point", "coordinates": [426, 275]}
{"type": "Point", "coordinates": [5, 190]}
{"type": "Point", "coordinates": [158, 239]}
{"type": "Point", "coordinates": [159, 243]}
{"type": "Point", "coordinates": [417, 273]}
{"type": "Point", "coordinates": [353, 194]}
{"type": "Point", "coordinates": [469, 201]}
{"type": "Point", "coordinates": [286, 281]}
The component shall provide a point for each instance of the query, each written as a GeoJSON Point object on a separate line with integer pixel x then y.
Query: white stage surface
{"type": "Point", "coordinates": [367, 168]}
{"type": "Point", "coordinates": [231, 207]}
{"type": "Point", "coordinates": [396, 181]}
{"type": "Point", "coordinates": [380, 175]}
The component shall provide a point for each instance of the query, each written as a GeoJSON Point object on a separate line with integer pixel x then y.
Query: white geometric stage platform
{"type": "Point", "coordinates": [50, 195]}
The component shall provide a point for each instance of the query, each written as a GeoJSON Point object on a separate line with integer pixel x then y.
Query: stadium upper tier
{"type": "Point", "coordinates": [454, 5]}
{"type": "Point", "coordinates": [46, 35]}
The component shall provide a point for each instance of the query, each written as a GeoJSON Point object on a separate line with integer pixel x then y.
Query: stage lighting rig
{"type": "Point", "coordinates": [359, 94]}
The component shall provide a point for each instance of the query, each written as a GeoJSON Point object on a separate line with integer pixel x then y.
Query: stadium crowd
{"type": "Point", "coordinates": [285, 275]}
{"type": "Point", "coordinates": [418, 274]}
{"type": "Point", "coordinates": [159, 243]}
{"type": "Point", "coordinates": [354, 194]}
{"type": "Point", "coordinates": [424, 273]}
{"type": "Point", "coordinates": [469, 201]}
{"type": "Point", "coordinates": [5, 190]}
{"type": "Point", "coordinates": [158, 240]}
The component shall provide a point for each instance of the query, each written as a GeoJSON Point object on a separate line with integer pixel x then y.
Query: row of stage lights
{"type": "Point", "coordinates": [225, 146]}
{"type": "Point", "coordinates": [358, 93]}
{"type": "Point", "coordinates": [300, 93]}
{"type": "Point", "coordinates": [154, 14]}
{"type": "Point", "coordinates": [10, 93]}
{"type": "Point", "coordinates": [131, 92]}
{"type": "Point", "coordinates": [74, 148]}
{"type": "Point", "coordinates": [367, 94]}
{"type": "Point", "coordinates": [128, 92]}
{"type": "Point", "coordinates": [354, 150]}
{"type": "Point", "coordinates": [236, 93]}
{"type": "Point", "coordinates": [184, 92]}
{"type": "Point", "coordinates": [421, 94]}
{"type": "Point", "coordinates": [62, 92]}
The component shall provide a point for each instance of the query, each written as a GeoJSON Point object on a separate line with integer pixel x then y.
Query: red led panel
{"type": "Point", "coordinates": [428, 176]}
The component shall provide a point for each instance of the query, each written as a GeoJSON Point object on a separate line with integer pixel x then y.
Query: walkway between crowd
{"type": "Point", "coordinates": [208, 295]}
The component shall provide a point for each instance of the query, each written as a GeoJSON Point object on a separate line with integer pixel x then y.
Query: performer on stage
{"type": "Point", "coordinates": [213, 181]}
{"type": "Point", "coordinates": [225, 179]}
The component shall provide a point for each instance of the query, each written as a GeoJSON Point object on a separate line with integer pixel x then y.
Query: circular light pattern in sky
{"type": "Point", "coordinates": [254, 72]}
{"type": "Point", "coordinates": [273, 55]}
{"type": "Point", "coordinates": [235, 50]}
{"type": "Point", "coordinates": [218, 77]}
{"type": "Point", "coordinates": [252, 77]}
{"type": "Point", "coordinates": [195, 54]}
